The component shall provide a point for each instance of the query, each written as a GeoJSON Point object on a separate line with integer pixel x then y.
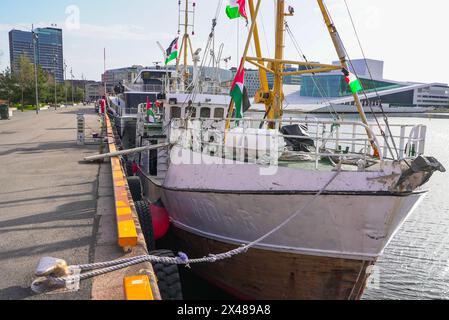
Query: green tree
{"type": "Point", "coordinates": [79, 95]}
{"type": "Point", "coordinates": [26, 80]}
{"type": "Point", "coordinates": [9, 86]}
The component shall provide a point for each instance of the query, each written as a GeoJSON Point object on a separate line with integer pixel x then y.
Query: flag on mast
{"type": "Point", "coordinates": [150, 112]}
{"type": "Point", "coordinates": [238, 92]}
{"type": "Point", "coordinates": [354, 83]}
{"type": "Point", "coordinates": [172, 51]}
{"type": "Point", "coordinates": [236, 9]}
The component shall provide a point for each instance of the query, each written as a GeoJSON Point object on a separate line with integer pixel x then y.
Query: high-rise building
{"type": "Point", "coordinates": [48, 50]}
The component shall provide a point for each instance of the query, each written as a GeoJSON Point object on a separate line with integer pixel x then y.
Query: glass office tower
{"type": "Point", "coordinates": [49, 50]}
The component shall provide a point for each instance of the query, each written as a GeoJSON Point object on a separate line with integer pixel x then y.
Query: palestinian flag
{"type": "Point", "coordinates": [353, 82]}
{"type": "Point", "coordinates": [172, 51]}
{"type": "Point", "coordinates": [150, 112]}
{"type": "Point", "coordinates": [236, 9]}
{"type": "Point", "coordinates": [239, 94]}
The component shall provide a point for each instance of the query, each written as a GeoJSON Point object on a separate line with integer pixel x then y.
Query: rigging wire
{"type": "Point", "coordinates": [265, 34]}
{"type": "Point", "coordinates": [320, 89]}
{"type": "Point", "coordinates": [372, 79]}
{"type": "Point", "coordinates": [194, 85]}
{"type": "Point", "coordinates": [365, 95]}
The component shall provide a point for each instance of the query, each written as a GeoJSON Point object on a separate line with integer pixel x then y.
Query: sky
{"type": "Point", "coordinates": [409, 35]}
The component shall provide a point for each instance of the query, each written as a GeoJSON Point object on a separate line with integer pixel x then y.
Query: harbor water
{"type": "Point", "coordinates": [416, 263]}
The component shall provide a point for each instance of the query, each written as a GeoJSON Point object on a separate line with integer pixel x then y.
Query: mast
{"type": "Point", "coordinates": [186, 39]}
{"type": "Point", "coordinates": [278, 65]}
{"type": "Point", "coordinates": [264, 88]}
{"type": "Point", "coordinates": [242, 63]}
{"type": "Point", "coordinates": [341, 52]}
{"type": "Point", "coordinates": [186, 43]}
{"type": "Point", "coordinates": [273, 99]}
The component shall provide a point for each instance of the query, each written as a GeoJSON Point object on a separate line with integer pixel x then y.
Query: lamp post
{"type": "Point", "coordinates": [65, 85]}
{"type": "Point", "coordinates": [73, 97]}
{"type": "Point", "coordinates": [54, 74]}
{"type": "Point", "coordinates": [84, 87]}
{"type": "Point", "coordinates": [34, 40]}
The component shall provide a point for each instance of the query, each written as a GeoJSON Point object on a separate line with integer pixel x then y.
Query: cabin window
{"type": "Point", "coordinates": [205, 112]}
{"type": "Point", "coordinates": [175, 113]}
{"type": "Point", "coordinates": [219, 113]}
{"type": "Point", "coordinates": [190, 111]}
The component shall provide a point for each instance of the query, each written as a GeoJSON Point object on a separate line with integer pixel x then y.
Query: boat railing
{"type": "Point", "coordinates": [127, 112]}
{"type": "Point", "coordinates": [340, 140]}
{"type": "Point", "coordinates": [153, 88]}
{"type": "Point", "coordinates": [396, 142]}
{"type": "Point", "coordinates": [402, 142]}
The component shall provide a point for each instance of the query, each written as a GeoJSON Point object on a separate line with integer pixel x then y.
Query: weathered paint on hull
{"type": "Point", "coordinates": [339, 226]}
{"type": "Point", "coordinates": [270, 275]}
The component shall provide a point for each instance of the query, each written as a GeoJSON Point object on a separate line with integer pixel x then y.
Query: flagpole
{"type": "Point", "coordinates": [242, 65]}
{"type": "Point", "coordinates": [341, 52]}
{"type": "Point", "coordinates": [104, 66]}
{"type": "Point", "coordinates": [34, 41]}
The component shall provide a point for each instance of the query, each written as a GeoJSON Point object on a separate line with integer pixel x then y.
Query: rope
{"type": "Point", "coordinates": [97, 269]}
{"type": "Point", "coordinates": [192, 95]}
{"type": "Point", "coordinates": [321, 91]}
{"type": "Point", "coordinates": [375, 89]}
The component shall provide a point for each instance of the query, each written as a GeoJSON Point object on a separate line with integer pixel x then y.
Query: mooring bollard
{"type": "Point", "coordinates": [81, 129]}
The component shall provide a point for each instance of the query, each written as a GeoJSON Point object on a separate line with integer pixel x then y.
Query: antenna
{"type": "Point", "coordinates": [164, 52]}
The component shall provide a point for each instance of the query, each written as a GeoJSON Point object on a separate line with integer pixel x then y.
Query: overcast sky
{"type": "Point", "coordinates": [409, 35]}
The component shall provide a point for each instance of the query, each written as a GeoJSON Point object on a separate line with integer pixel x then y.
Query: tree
{"type": "Point", "coordinates": [79, 94]}
{"type": "Point", "coordinates": [8, 86]}
{"type": "Point", "coordinates": [26, 79]}
{"type": "Point", "coordinates": [20, 87]}
{"type": "Point", "coordinates": [45, 85]}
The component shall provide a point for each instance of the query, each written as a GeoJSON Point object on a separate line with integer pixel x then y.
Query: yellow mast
{"type": "Point", "coordinates": [344, 63]}
{"type": "Point", "coordinates": [273, 99]}
{"type": "Point", "coordinates": [264, 90]}
{"type": "Point", "coordinates": [278, 65]}
{"type": "Point", "coordinates": [242, 64]}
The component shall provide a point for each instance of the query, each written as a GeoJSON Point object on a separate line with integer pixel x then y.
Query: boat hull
{"type": "Point", "coordinates": [325, 252]}
{"type": "Point", "coordinates": [270, 275]}
{"type": "Point", "coordinates": [347, 226]}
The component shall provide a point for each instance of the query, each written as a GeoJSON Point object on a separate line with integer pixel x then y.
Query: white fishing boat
{"type": "Point", "coordinates": [227, 181]}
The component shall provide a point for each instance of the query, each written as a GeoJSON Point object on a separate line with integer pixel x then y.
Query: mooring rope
{"type": "Point", "coordinates": [97, 269]}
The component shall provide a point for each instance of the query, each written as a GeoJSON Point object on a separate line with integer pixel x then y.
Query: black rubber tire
{"type": "Point", "coordinates": [135, 186]}
{"type": "Point", "coordinates": [169, 280]}
{"type": "Point", "coordinates": [146, 222]}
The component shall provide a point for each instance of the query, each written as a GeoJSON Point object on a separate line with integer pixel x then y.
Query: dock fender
{"type": "Point", "coordinates": [161, 219]}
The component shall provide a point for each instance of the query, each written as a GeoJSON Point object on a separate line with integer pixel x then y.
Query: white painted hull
{"type": "Point", "coordinates": [340, 226]}
{"type": "Point", "coordinates": [355, 218]}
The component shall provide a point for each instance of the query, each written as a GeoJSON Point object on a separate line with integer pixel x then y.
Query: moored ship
{"type": "Point", "coordinates": [344, 187]}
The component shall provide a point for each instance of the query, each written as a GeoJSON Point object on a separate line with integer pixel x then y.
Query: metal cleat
{"type": "Point", "coordinates": [49, 266]}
